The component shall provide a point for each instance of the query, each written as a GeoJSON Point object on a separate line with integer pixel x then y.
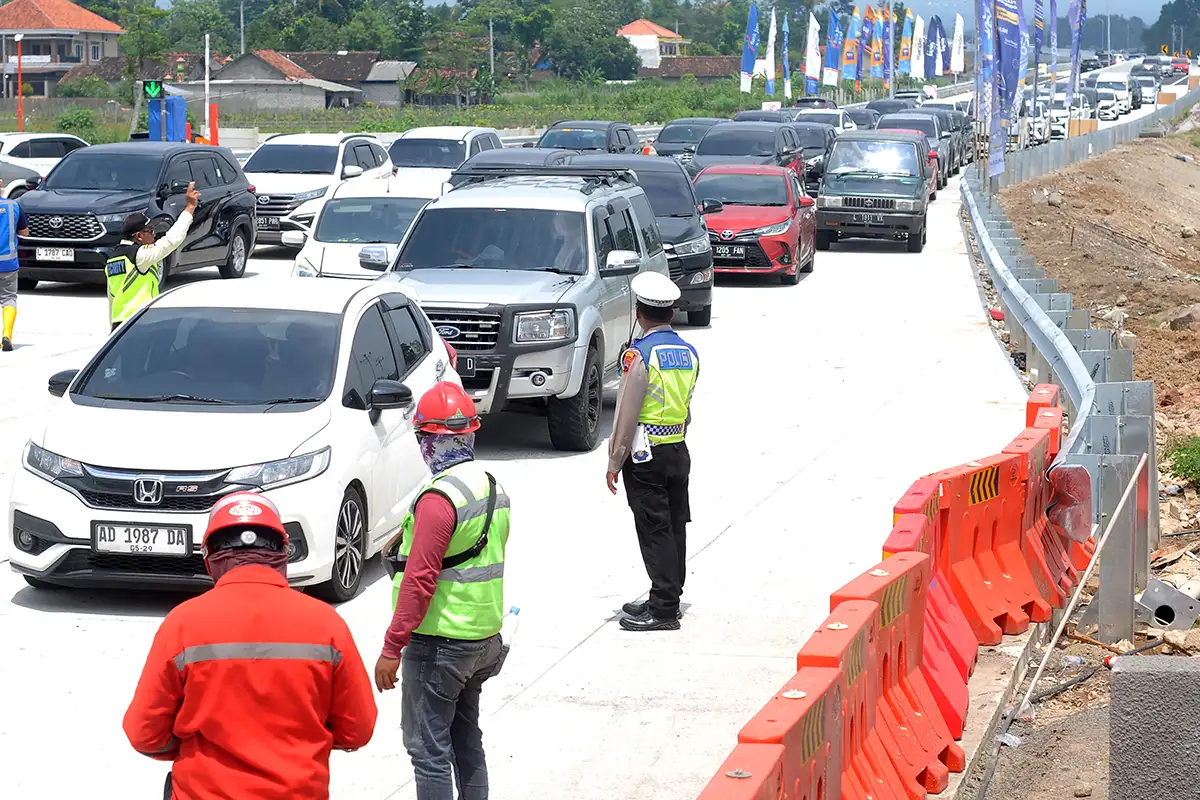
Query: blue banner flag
{"type": "Point", "coordinates": [833, 41]}
{"type": "Point", "coordinates": [1075, 20]}
{"type": "Point", "coordinates": [787, 68]}
{"type": "Point", "coordinates": [1008, 56]}
{"type": "Point", "coordinates": [877, 48]}
{"type": "Point", "coordinates": [864, 41]}
{"type": "Point", "coordinates": [933, 58]}
{"type": "Point", "coordinates": [887, 46]}
{"type": "Point", "coordinates": [850, 48]}
{"type": "Point", "coordinates": [906, 34]}
{"type": "Point", "coordinates": [1053, 47]}
{"type": "Point", "coordinates": [1039, 30]}
{"type": "Point", "coordinates": [1026, 48]}
{"type": "Point", "coordinates": [944, 50]}
{"type": "Point", "coordinates": [750, 47]}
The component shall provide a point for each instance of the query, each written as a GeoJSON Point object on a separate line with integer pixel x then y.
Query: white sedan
{"type": "Point", "coordinates": [302, 390]}
{"type": "Point", "coordinates": [836, 117]}
{"type": "Point", "coordinates": [356, 232]}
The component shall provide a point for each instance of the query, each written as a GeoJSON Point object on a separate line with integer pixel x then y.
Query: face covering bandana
{"type": "Point", "coordinates": [443, 450]}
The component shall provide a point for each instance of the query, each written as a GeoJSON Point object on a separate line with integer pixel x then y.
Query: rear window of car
{"type": "Point", "coordinates": [730, 141]}
{"type": "Point", "coordinates": [437, 153]}
{"type": "Point", "coordinates": [824, 117]}
{"type": "Point", "coordinates": [575, 139]}
{"type": "Point", "coordinates": [293, 159]}
{"type": "Point", "coordinates": [925, 125]}
{"type": "Point", "coordinates": [684, 132]}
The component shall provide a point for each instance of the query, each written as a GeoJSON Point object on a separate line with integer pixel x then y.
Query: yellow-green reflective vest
{"type": "Point", "coordinates": [672, 367]}
{"type": "Point", "coordinates": [468, 602]}
{"type": "Point", "coordinates": [130, 287]}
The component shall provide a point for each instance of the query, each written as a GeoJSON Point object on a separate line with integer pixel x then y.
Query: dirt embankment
{"type": "Point", "coordinates": [1119, 232]}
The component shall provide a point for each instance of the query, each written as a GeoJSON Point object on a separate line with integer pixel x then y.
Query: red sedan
{"type": "Point", "coordinates": [1179, 65]}
{"type": "Point", "coordinates": [768, 224]}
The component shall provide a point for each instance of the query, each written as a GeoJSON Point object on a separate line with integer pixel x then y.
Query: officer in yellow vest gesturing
{"type": "Point", "coordinates": [134, 271]}
{"type": "Point", "coordinates": [658, 379]}
{"type": "Point", "coordinates": [447, 601]}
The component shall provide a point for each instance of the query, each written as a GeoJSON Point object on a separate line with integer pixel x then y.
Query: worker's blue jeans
{"type": "Point", "coordinates": [441, 681]}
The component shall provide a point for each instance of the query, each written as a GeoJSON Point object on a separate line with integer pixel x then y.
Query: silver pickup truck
{"type": "Point", "coordinates": [526, 272]}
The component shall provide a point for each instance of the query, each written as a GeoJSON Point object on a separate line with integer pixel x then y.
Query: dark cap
{"type": "Point", "coordinates": [137, 221]}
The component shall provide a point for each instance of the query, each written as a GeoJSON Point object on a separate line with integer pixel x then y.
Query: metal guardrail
{"type": "Point", "coordinates": [1111, 416]}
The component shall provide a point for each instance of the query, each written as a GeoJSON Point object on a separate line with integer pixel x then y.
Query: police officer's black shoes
{"type": "Point", "coordinates": [648, 622]}
{"type": "Point", "coordinates": [6, 345]}
{"type": "Point", "coordinates": [636, 609]}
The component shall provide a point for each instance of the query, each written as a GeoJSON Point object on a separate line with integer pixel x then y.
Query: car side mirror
{"type": "Point", "coordinates": [620, 262]}
{"type": "Point", "coordinates": [373, 257]}
{"type": "Point", "coordinates": [817, 169]}
{"type": "Point", "coordinates": [387, 394]}
{"type": "Point", "coordinates": [710, 206]}
{"type": "Point", "coordinates": [293, 238]}
{"type": "Point", "coordinates": [691, 148]}
{"type": "Point", "coordinates": [805, 202]}
{"type": "Point", "coordinates": [529, 144]}
{"type": "Point", "coordinates": [61, 381]}
{"type": "Point", "coordinates": [945, 134]}
{"type": "Point", "coordinates": [351, 171]}
{"type": "Point", "coordinates": [33, 183]}
{"type": "Point", "coordinates": [174, 187]}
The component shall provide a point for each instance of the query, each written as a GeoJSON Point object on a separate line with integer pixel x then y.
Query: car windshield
{"type": "Point", "coordinates": [810, 137]}
{"type": "Point", "coordinates": [740, 189]}
{"type": "Point", "coordinates": [218, 356]}
{"type": "Point", "coordinates": [432, 153]}
{"type": "Point", "coordinates": [301, 159]}
{"type": "Point", "coordinates": [886, 158]}
{"type": "Point", "coordinates": [684, 132]}
{"type": "Point", "coordinates": [575, 139]}
{"type": "Point", "coordinates": [1116, 86]}
{"type": "Point", "coordinates": [924, 125]}
{"type": "Point", "coordinates": [88, 169]}
{"type": "Point", "coordinates": [670, 193]}
{"type": "Point", "coordinates": [833, 118]}
{"type": "Point", "coordinates": [523, 239]}
{"type": "Point", "coordinates": [367, 220]}
{"type": "Point", "coordinates": [730, 141]}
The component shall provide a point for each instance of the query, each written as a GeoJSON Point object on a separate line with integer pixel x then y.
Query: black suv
{"type": "Point", "coordinates": [680, 224]}
{"type": "Point", "coordinates": [76, 214]}
{"type": "Point", "coordinates": [606, 137]}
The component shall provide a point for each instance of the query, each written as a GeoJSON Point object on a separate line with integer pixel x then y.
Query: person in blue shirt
{"type": "Point", "coordinates": [12, 225]}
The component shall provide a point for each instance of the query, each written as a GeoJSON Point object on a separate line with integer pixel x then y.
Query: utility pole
{"type": "Point", "coordinates": [1108, 26]}
{"type": "Point", "coordinates": [491, 48]}
{"type": "Point", "coordinates": [242, 21]}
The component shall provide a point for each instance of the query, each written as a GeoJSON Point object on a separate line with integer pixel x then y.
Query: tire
{"type": "Point", "coordinates": [790, 280]}
{"type": "Point", "coordinates": [917, 243]}
{"type": "Point", "coordinates": [933, 196]}
{"type": "Point", "coordinates": [701, 318]}
{"type": "Point", "coordinates": [808, 268]}
{"type": "Point", "coordinates": [26, 284]}
{"type": "Point", "coordinates": [574, 422]}
{"type": "Point", "coordinates": [824, 239]}
{"type": "Point", "coordinates": [350, 551]}
{"type": "Point", "coordinates": [235, 259]}
{"type": "Point", "coordinates": [17, 192]}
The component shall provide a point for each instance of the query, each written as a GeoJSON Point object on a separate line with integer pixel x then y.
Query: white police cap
{"type": "Point", "coordinates": [655, 289]}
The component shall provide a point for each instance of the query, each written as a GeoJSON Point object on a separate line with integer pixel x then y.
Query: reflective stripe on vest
{"type": "Point", "coordinates": [672, 366]}
{"type": "Point", "coordinates": [468, 602]}
{"type": "Point", "coordinates": [129, 287]}
{"type": "Point", "coordinates": [9, 216]}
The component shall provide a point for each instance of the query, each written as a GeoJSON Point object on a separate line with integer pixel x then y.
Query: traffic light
{"type": "Point", "coordinates": [152, 90]}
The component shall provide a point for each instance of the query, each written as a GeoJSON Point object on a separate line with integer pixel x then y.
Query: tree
{"type": "Point", "coordinates": [144, 39]}
{"type": "Point", "coordinates": [91, 86]}
{"type": "Point", "coordinates": [189, 20]}
{"type": "Point", "coordinates": [1184, 13]}
{"type": "Point", "coordinates": [311, 32]}
{"type": "Point", "coordinates": [369, 29]}
{"type": "Point", "coordinates": [581, 37]}
{"type": "Point", "coordinates": [531, 27]}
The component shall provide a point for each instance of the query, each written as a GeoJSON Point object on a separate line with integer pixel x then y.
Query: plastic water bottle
{"type": "Point", "coordinates": [1072, 661]}
{"type": "Point", "coordinates": [508, 630]}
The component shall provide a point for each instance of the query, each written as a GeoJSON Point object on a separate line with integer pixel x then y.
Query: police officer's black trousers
{"type": "Point", "coordinates": [658, 496]}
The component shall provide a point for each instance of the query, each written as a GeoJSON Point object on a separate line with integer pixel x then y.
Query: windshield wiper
{"type": "Point", "coordinates": [278, 401]}
{"type": "Point", "coordinates": [678, 216]}
{"type": "Point", "coordinates": [167, 398]}
{"type": "Point", "coordinates": [556, 270]}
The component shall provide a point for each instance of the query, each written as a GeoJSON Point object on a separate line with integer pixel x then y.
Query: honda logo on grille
{"type": "Point", "coordinates": [263, 199]}
{"type": "Point", "coordinates": [147, 492]}
{"type": "Point", "coordinates": [56, 222]}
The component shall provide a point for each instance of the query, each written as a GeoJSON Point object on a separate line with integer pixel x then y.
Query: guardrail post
{"type": "Point", "coordinates": [1133, 402]}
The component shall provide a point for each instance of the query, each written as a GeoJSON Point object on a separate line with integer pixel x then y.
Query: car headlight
{"type": "Point", "coordinates": [51, 466]}
{"type": "Point", "coordinates": [692, 247]}
{"type": "Point", "coordinates": [778, 229]}
{"type": "Point", "coordinates": [543, 326]}
{"type": "Point", "coordinates": [114, 222]}
{"type": "Point", "coordinates": [312, 194]}
{"type": "Point", "coordinates": [908, 205]}
{"type": "Point", "coordinates": [701, 276]}
{"type": "Point", "coordinates": [829, 201]}
{"type": "Point", "coordinates": [304, 269]}
{"type": "Point", "coordinates": [274, 474]}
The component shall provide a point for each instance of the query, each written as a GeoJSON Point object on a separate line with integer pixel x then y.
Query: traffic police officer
{"type": "Point", "coordinates": [447, 564]}
{"type": "Point", "coordinates": [134, 271]}
{"type": "Point", "coordinates": [658, 379]}
{"type": "Point", "coordinates": [12, 225]}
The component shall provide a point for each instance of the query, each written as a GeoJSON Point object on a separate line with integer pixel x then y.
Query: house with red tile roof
{"type": "Point", "coordinates": [653, 41]}
{"type": "Point", "coordinates": [56, 35]}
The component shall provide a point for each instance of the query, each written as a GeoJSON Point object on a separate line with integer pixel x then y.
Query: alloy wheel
{"type": "Point", "coordinates": [238, 257]}
{"type": "Point", "coordinates": [347, 558]}
{"type": "Point", "coordinates": [593, 406]}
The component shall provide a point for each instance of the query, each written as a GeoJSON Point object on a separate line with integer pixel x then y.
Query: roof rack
{"type": "Point", "coordinates": [594, 177]}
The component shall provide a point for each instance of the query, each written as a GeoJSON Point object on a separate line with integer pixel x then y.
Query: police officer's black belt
{"type": "Point", "coordinates": [394, 565]}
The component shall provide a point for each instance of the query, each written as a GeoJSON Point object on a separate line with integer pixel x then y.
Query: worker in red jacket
{"type": "Point", "coordinates": [249, 686]}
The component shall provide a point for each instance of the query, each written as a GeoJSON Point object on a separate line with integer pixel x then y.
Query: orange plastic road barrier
{"type": "Point", "coordinates": [1043, 559]}
{"type": "Point", "coordinates": [946, 682]}
{"type": "Point", "coordinates": [1081, 554]}
{"type": "Point", "coordinates": [846, 641]}
{"type": "Point", "coordinates": [752, 772]}
{"type": "Point", "coordinates": [1044, 395]}
{"type": "Point", "coordinates": [1051, 419]}
{"type": "Point", "coordinates": [804, 717]}
{"type": "Point", "coordinates": [922, 498]}
{"type": "Point", "coordinates": [967, 557]}
{"type": "Point", "coordinates": [917, 737]}
{"type": "Point", "coordinates": [1056, 546]}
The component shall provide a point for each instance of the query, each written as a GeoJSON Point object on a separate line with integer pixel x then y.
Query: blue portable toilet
{"type": "Point", "coordinates": [176, 119]}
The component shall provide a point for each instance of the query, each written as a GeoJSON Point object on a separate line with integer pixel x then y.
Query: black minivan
{"type": "Point", "coordinates": [77, 212]}
{"type": "Point", "coordinates": [678, 215]}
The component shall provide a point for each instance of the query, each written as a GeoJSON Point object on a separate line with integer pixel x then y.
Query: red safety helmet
{"type": "Point", "coordinates": [244, 519]}
{"type": "Point", "coordinates": [446, 408]}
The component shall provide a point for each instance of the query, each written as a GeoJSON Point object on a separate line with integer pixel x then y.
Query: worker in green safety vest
{"type": "Point", "coordinates": [647, 449]}
{"type": "Point", "coordinates": [447, 566]}
{"type": "Point", "coordinates": [134, 270]}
